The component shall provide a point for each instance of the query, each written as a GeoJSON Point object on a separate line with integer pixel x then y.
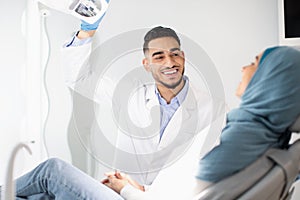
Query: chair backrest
{"type": "Point", "coordinates": [296, 126]}
{"type": "Point", "coordinates": [270, 177]}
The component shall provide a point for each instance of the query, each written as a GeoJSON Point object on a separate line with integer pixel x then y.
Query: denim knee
{"type": "Point", "coordinates": [55, 163]}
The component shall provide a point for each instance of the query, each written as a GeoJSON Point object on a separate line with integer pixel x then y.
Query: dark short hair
{"type": "Point", "coordinates": [159, 32]}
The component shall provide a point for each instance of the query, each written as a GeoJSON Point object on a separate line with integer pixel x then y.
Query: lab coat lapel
{"type": "Point", "coordinates": [182, 125]}
{"type": "Point", "coordinates": [146, 148]}
{"type": "Point", "coordinates": [151, 102]}
{"type": "Point", "coordinates": [178, 135]}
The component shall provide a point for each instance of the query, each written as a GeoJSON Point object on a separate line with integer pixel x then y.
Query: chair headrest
{"type": "Point", "coordinates": [295, 126]}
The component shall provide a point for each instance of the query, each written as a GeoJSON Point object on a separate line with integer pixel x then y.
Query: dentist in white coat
{"type": "Point", "coordinates": [156, 122]}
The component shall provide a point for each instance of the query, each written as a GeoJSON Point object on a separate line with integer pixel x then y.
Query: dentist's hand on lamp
{"type": "Point", "coordinates": [88, 30]}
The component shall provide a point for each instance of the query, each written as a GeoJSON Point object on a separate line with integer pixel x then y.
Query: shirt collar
{"type": "Point", "coordinates": [179, 97]}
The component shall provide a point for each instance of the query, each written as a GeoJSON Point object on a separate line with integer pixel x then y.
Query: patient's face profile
{"type": "Point", "coordinates": [247, 73]}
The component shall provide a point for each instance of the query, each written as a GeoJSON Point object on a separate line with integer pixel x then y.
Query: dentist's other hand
{"type": "Point", "coordinates": [116, 185]}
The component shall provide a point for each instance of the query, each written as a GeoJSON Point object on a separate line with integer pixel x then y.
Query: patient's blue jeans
{"type": "Point", "coordinates": [56, 179]}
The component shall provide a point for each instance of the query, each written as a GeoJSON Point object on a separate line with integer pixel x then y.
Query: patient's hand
{"type": "Point", "coordinates": [114, 183]}
{"type": "Point", "coordinates": [130, 181]}
{"type": "Point", "coordinates": [117, 180]}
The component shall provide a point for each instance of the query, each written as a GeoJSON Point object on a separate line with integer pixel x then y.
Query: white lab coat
{"type": "Point", "coordinates": [176, 181]}
{"type": "Point", "coordinates": [133, 147]}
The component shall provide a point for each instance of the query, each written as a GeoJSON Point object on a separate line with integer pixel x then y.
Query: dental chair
{"type": "Point", "coordinates": [271, 177]}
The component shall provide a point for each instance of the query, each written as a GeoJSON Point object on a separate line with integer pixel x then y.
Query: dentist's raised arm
{"type": "Point", "coordinates": [78, 73]}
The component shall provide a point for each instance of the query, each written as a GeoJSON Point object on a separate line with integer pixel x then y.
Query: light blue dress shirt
{"type": "Point", "coordinates": [167, 110]}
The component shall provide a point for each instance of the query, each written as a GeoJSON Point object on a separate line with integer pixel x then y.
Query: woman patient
{"type": "Point", "coordinates": [270, 103]}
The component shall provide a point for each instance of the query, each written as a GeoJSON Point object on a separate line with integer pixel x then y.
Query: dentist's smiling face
{"type": "Point", "coordinates": [165, 61]}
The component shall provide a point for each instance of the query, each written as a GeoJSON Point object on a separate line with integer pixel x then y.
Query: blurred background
{"type": "Point", "coordinates": [36, 105]}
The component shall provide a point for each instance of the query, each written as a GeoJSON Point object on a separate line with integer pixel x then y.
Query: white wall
{"type": "Point", "coordinates": [12, 50]}
{"type": "Point", "coordinates": [232, 32]}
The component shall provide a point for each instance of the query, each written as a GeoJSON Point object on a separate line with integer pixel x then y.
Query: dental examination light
{"type": "Point", "coordinates": [87, 10]}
